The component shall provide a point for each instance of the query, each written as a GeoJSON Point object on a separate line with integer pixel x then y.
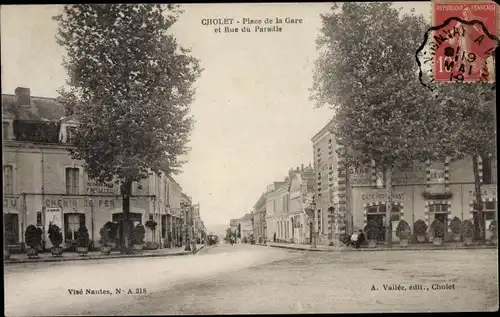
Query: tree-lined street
{"type": "Point", "coordinates": [255, 279]}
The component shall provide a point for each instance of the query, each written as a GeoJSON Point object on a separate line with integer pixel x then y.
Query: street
{"type": "Point", "coordinates": [253, 279]}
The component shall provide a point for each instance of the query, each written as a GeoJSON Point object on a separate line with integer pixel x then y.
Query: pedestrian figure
{"type": "Point", "coordinates": [274, 237]}
{"type": "Point", "coordinates": [354, 239]}
{"type": "Point", "coordinates": [361, 238]}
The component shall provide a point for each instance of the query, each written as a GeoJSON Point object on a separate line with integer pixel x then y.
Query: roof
{"type": "Point", "coordinates": [48, 108]}
{"type": "Point", "coordinates": [323, 130]}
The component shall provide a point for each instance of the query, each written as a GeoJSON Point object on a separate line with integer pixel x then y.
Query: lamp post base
{"type": "Point", "coordinates": [314, 241]}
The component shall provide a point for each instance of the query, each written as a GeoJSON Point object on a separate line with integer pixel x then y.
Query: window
{"type": "Point", "coordinates": [487, 173]}
{"type": "Point", "coordinates": [72, 223]}
{"type": "Point", "coordinates": [489, 210]}
{"type": "Point", "coordinates": [380, 179]}
{"type": "Point", "coordinates": [438, 208]}
{"type": "Point", "coordinates": [135, 217]}
{"type": "Point", "coordinates": [395, 214]}
{"type": "Point", "coordinates": [72, 180]}
{"type": "Point", "coordinates": [319, 221]}
{"type": "Point", "coordinates": [5, 130]}
{"type": "Point", "coordinates": [8, 179]}
{"type": "Point", "coordinates": [70, 134]}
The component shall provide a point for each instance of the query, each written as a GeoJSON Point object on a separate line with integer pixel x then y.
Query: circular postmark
{"type": "Point", "coordinates": [456, 51]}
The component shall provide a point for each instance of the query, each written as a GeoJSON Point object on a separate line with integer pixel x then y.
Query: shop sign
{"type": "Point", "coordinates": [413, 175]}
{"type": "Point", "coordinates": [77, 203]}
{"type": "Point", "coordinates": [96, 188]}
{"type": "Point", "coordinates": [10, 203]}
{"type": "Point", "coordinates": [436, 176]}
{"type": "Point", "coordinates": [381, 196]}
{"type": "Point", "coordinates": [486, 192]}
{"type": "Point", "coordinates": [53, 216]}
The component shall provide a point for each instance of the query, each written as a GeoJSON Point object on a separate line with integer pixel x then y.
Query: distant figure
{"type": "Point", "coordinates": [274, 237]}
{"type": "Point", "coordinates": [354, 239]}
{"type": "Point", "coordinates": [361, 238]}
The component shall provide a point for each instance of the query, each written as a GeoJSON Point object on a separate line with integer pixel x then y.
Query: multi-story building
{"type": "Point", "coordinates": [330, 195]}
{"type": "Point", "coordinates": [286, 216]}
{"type": "Point", "coordinates": [259, 218]}
{"type": "Point", "coordinates": [427, 191]}
{"type": "Point", "coordinates": [300, 185]}
{"type": "Point", "coordinates": [275, 196]}
{"type": "Point", "coordinates": [198, 225]}
{"type": "Point", "coordinates": [43, 184]}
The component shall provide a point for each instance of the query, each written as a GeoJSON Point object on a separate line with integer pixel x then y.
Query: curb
{"type": "Point", "coordinates": [198, 250]}
{"type": "Point", "coordinates": [384, 249]}
{"type": "Point", "coordinates": [86, 258]}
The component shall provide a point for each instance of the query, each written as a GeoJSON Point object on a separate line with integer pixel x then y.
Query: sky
{"type": "Point", "coordinates": [254, 119]}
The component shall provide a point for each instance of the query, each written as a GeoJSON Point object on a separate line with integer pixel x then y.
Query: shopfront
{"type": "Point", "coordinates": [11, 207]}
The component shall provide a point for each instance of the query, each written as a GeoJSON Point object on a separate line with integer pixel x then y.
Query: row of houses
{"type": "Point", "coordinates": [345, 200]}
{"type": "Point", "coordinates": [43, 184]}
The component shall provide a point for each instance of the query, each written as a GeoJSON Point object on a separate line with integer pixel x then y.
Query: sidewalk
{"type": "Point", "coordinates": [395, 247]}
{"type": "Point", "coordinates": [97, 255]}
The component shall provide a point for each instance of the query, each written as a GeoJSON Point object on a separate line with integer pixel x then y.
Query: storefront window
{"type": "Point", "coordinates": [438, 208]}
{"type": "Point", "coordinates": [72, 224]}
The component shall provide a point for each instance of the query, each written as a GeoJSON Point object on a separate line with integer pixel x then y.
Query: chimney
{"type": "Point", "coordinates": [23, 99]}
{"type": "Point", "coordinates": [23, 96]}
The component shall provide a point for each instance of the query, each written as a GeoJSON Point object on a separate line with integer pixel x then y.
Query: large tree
{"type": "Point", "coordinates": [472, 109]}
{"type": "Point", "coordinates": [130, 88]}
{"type": "Point", "coordinates": [367, 73]}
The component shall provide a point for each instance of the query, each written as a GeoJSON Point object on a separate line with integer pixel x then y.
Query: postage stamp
{"type": "Point", "coordinates": [460, 45]}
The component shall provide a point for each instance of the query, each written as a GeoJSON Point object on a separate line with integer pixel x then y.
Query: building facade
{"type": "Point", "coordinates": [331, 199]}
{"type": "Point", "coordinates": [426, 191]}
{"type": "Point", "coordinates": [300, 185]}
{"type": "Point", "coordinates": [275, 197]}
{"type": "Point", "coordinates": [43, 184]}
{"type": "Point", "coordinates": [286, 216]}
{"type": "Point", "coordinates": [259, 218]}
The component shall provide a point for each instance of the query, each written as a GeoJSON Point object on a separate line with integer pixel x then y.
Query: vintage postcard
{"type": "Point", "coordinates": [263, 158]}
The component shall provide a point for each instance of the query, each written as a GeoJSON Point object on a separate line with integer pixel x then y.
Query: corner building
{"type": "Point", "coordinates": [426, 191]}
{"type": "Point", "coordinates": [43, 184]}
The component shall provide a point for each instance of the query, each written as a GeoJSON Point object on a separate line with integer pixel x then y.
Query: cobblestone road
{"type": "Point", "coordinates": [255, 279]}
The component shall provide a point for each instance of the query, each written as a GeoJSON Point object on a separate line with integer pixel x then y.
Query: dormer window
{"type": "Point", "coordinates": [70, 134]}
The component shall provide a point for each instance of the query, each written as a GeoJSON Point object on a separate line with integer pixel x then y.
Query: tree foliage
{"type": "Point", "coordinates": [130, 88]}
{"type": "Point", "coordinates": [367, 73]}
{"type": "Point", "coordinates": [472, 111]}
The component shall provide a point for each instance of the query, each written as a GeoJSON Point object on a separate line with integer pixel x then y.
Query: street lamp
{"type": "Point", "coordinates": [311, 213]}
{"type": "Point", "coordinates": [187, 228]}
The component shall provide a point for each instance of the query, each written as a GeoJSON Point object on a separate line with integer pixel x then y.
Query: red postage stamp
{"type": "Point", "coordinates": [463, 40]}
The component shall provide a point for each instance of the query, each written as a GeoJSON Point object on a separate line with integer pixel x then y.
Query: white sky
{"type": "Point", "coordinates": [254, 119]}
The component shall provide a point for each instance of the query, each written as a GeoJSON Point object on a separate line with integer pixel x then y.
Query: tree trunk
{"type": "Point", "coordinates": [388, 206]}
{"type": "Point", "coordinates": [478, 204]}
{"type": "Point", "coordinates": [126, 192]}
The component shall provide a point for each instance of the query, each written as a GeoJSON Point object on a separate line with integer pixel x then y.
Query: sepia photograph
{"type": "Point", "coordinates": [249, 158]}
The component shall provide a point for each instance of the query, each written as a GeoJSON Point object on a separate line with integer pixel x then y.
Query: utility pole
{"type": "Point", "coordinates": [188, 228]}
{"type": "Point", "coordinates": [315, 225]}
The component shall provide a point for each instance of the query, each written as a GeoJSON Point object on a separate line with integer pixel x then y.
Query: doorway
{"type": "Point", "coordinates": [11, 223]}
{"type": "Point", "coordinates": [379, 220]}
{"type": "Point", "coordinates": [443, 218]}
